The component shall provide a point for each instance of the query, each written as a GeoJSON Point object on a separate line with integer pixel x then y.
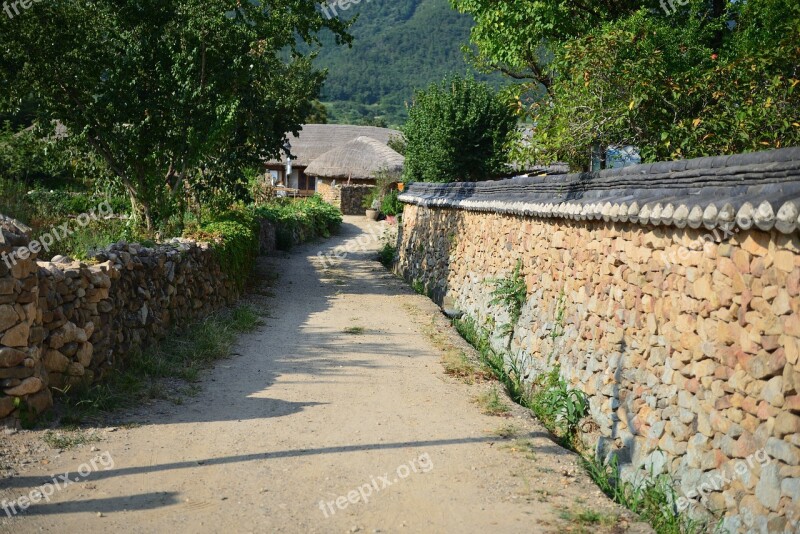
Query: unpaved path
{"type": "Point", "coordinates": [282, 436]}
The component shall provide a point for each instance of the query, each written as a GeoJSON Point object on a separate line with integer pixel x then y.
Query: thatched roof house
{"type": "Point", "coordinates": [328, 157]}
{"type": "Point", "coordinates": [360, 159]}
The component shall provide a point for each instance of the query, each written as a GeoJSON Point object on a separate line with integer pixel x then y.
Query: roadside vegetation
{"type": "Point", "coordinates": [180, 357]}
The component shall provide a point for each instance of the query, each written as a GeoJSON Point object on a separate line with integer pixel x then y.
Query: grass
{"type": "Point", "coordinates": [182, 355]}
{"type": "Point", "coordinates": [458, 365]}
{"type": "Point", "coordinates": [524, 446]}
{"type": "Point", "coordinates": [507, 431]}
{"type": "Point", "coordinates": [491, 403]}
{"type": "Point", "coordinates": [649, 498]}
{"type": "Point", "coordinates": [66, 440]}
{"type": "Point", "coordinates": [387, 255]}
{"type": "Point", "coordinates": [354, 330]}
{"type": "Point", "coordinates": [456, 362]}
{"type": "Point", "coordinates": [588, 517]}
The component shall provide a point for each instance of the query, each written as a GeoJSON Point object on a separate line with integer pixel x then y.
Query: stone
{"type": "Point", "coordinates": [790, 487]}
{"type": "Point", "coordinates": [6, 406]}
{"type": "Point", "coordinates": [756, 243]}
{"type": "Point", "coordinates": [11, 357]}
{"type": "Point", "coordinates": [75, 369]}
{"type": "Point", "coordinates": [28, 386]}
{"type": "Point", "coordinates": [763, 366]}
{"type": "Point", "coordinates": [773, 391]}
{"type": "Point", "coordinates": [8, 317]}
{"type": "Point", "coordinates": [55, 361]}
{"type": "Point", "coordinates": [768, 489]}
{"type": "Point", "coordinates": [84, 354]}
{"type": "Point", "coordinates": [786, 423]}
{"type": "Point", "coordinates": [40, 402]}
{"type": "Point", "coordinates": [16, 336]}
{"type": "Point", "coordinates": [782, 450]}
{"type": "Point", "coordinates": [784, 261]}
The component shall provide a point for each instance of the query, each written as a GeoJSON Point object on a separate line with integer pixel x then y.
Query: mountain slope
{"type": "Point", "coordinates": [399, 46]}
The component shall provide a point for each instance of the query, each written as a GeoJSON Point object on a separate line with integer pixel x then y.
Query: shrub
{"type": "Point", "coordinates": [235, 242]}
{"type": "Point", "coordinates": [299, 220]}
{"type": "Point", "coordinates": [458, 130]}
{"type": "Point", "coordinates": [390, 205]}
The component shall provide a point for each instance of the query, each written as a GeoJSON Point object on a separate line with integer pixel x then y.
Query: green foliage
{"type": "Point", "coordinates": [387, 255]}
{"type": "Point", "coordinates": [510, 292]}
{"type": "Point", "coordinates": [168, 93]}
{"type": "Point", "coordinates": [235, 239]}
{"type": "Point", "coordinates": [319, 115]}
{"type": "Point", "coordinates": [398, 144]}
{"type": "Point", "coordinates": [706, 79]}
{"type": "Point", "coordinates": [652, 499]}
{"type": "Point", "coordinates": [390, 205]}
{"type": "Point", "coordinates": [398, 47]}
{"type": "Point", "coordinates": [557, 405]}
{"type": "Point", "coordinates": [458, 130]}
{"type": "Point", "coordinates": [299, 220]}
{"type": "Point", "coordinates": [491, 403]}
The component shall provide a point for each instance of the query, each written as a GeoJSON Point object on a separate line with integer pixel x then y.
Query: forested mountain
{"type": "Point", "coordinates": [399, 46]}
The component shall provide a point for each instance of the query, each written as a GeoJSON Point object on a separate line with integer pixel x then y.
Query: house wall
{"type": "Point", "coordinates": [685, 340]}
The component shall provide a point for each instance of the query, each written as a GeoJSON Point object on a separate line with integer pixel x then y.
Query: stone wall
{"type": "Point", "coordinates": [669, 294]}
{"type": "Point", "coordinates": [352, 201]}
{"type": "Point", "coordinates": [65, 323]}
{"type": "Point", "coordinates": [329, 193]}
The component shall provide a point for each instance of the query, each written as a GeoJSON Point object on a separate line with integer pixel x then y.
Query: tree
{"type": "Point", "coordinates": [678, 79]}
{"type": "Point", "coordinates": [518, 37]}
{"type": "Point", "coordinates": [458, 130]}
{"type": "Point", "coordinates": [319, 115]}
{"type": "Point", "coordinates": [167, 91]}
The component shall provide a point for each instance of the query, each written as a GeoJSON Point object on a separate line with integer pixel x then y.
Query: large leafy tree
{"type": "Point", "coordinates": [167, 92]}
{"type": "Point", "coordinates": [678, 79]}
{"type": "Point", "coordinates": [458, 130]}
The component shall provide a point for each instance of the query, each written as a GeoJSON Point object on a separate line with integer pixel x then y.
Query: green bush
{"type": "Point", "coordinates": [299, 220]}
{"type": "Point", "coordinates": [458, 130]}
{"type": "Point", "coordinates": [235, 237]}
{"type": "Point", "coordinates": [390, 205]}
{"type": "Point", "coordinates": [387, 255]}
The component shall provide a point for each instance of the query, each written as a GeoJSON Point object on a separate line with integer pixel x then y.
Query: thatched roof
{"type": "Point", "coordinates": [360, 159]}
{"type": "Point", "coordinates": [317, 139]}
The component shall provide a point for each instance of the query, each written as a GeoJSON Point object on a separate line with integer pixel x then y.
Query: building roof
{"type": "Point", "coordinates": [360, 159]}
{"type": "Point", "coordinates": [742, 191]}
{"type": "Point", "coordinates": [317, 139]}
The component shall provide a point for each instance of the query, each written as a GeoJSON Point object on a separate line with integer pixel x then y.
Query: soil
{"type": "Point", "coordinates": [336, 415]}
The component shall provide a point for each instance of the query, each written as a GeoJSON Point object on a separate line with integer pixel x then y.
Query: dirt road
{"type": "Point", "coordinates": [335, 416]}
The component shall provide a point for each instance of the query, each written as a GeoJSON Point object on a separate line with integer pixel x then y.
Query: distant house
{"type": "Point", "coordinates": [325, 156]}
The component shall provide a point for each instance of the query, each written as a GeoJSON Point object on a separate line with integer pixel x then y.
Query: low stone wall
{"type": "Point", "coordinates": [329, 193]}
{"type": "Point", "coordinates": [669, 294]}
{"type": "Point", "coordinates": [352, 201]}
{"type": "Point", "coordinates": [67, 323]}
{"type": "Point", "coordinates": [349, 198]}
